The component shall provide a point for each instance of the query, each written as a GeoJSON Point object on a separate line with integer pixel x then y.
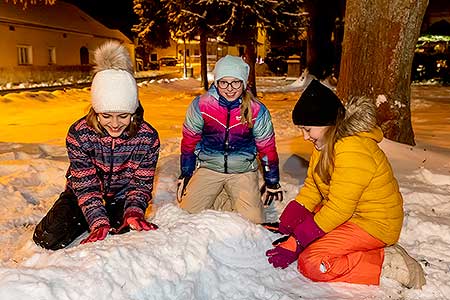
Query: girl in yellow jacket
{"type": "Point", "coordinates": [350, 207]}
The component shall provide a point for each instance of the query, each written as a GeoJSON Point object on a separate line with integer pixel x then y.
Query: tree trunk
{"type": "Point", "coordinates": [204, 59]}
{"type": "Point", "coordinates": [250, 57]}
{"type": "Point", "coordinates": [378, 48]}
{"type": "Point", "coordinates": [320, 52]}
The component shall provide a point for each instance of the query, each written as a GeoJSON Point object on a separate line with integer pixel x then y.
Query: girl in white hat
{"type": "Point", "coordinates": [112, 153]}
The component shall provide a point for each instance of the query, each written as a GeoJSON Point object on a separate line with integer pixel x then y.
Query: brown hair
{"type": "Point", "coordinates": [325, 165]}
{"type": "Point", "coordinates": [136, 119]}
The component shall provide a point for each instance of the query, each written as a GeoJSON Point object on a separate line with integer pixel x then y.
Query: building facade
{"type": "Point", "coordinates": [45, 36]}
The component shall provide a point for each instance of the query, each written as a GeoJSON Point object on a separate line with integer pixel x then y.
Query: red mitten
{"type": "Point", "coordinates": [97, 234]}
{"type": "Point", "coordinates": [135, 221]}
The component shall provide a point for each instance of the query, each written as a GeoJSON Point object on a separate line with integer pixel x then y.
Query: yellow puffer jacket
{"type": "Point", "coordinates": [362, 190]}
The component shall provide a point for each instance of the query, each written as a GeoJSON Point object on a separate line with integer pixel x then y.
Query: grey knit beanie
{"type": "Point", "coordinates": [231, 66]}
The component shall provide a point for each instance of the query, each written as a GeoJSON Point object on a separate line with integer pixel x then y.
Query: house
{"type": "Point", "coordinates": [216, 48]}
{"type": "Point", "coordinates": [42, 37]}
{"type": "Point", "coordinates": [437, 18]}
{"type": "Point", "coordinates": [432, 54]}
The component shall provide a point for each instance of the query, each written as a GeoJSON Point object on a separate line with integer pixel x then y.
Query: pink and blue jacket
{"type": "Point", "coordinates": [103, 168]}
{"type": "Point", "coordinates": [215, 138]}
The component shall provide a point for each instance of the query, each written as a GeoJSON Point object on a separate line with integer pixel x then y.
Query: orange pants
{"type": "Point", "coordinates": [346, 254]}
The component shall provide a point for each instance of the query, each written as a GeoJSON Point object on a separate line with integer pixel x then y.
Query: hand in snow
{"type": "Point", "coordinates": [97, 234]}
{"type": "Point", "coordinates": [135, 221]}
{"type": "Point", "coordinates": [286, 251]}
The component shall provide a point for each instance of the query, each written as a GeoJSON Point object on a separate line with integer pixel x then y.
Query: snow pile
{"type": "Point", "coordinates": [211, 255]}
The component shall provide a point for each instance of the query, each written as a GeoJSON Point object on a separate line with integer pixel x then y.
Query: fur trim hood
{"type": "Point", "coordinates": [360, 116]}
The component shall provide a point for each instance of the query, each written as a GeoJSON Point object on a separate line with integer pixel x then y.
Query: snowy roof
{"type": "Point", "coordinates": [60, 16]}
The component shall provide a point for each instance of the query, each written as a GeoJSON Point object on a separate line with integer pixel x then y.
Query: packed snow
{"type": "Point", "coordinates": [211, 255]}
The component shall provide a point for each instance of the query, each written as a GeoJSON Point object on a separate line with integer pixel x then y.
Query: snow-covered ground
{"type": "Point", "coordinates": [211, 255]}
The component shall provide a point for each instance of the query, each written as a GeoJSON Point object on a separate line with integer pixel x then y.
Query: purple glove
{"type": "Point", "coordinates": [293, 214]}
{"type": "Point", "coordinates": [307, 231]}
{"type": "Point", "coordinates": [135, 221]}
{"type": "Point", "coordinates": [97, 234]}
{"type": "Point", "coordinates": [286, 251]}
{"type": "Point", "coordinates": [299, 221]}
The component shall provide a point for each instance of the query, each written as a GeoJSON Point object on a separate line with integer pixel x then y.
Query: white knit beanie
{"type": "Point", "coordinates": [113, 88]}
{"type": "Point", "coordinates": [231, 66]}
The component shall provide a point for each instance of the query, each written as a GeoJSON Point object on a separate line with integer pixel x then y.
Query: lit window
{"type": "Point", "coordinates": [24, 55]}
{"type": "Point", "coordinates": [51, 55]}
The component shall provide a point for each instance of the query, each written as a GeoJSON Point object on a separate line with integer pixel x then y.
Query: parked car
{"type": "Point", "coordinates": [153, 65]}
{"type": "Point", "coordinates": [168, 61]}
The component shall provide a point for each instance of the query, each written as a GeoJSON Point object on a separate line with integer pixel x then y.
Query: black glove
{"type": "Point", "coordinates": [182, 184]}
{"type": "Point", "coordinates": [272, 226]}
{"type": "Point", "coordinates": [271, 192]}
{"type": "Point", "coordinates": [280, 240]}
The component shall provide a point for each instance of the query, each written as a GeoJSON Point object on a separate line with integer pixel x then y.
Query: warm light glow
{"type": "Point", "coordinates": [25, 3]}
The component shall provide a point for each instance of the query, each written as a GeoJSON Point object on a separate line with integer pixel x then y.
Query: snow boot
{"type": "Point", "coordinates": [400, 266]}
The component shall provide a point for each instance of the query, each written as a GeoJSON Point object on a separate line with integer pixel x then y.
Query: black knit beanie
{"type": "Point", "coordinates": [317, 106]}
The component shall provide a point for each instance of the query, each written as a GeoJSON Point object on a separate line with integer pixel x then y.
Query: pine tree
{"type": "Point", "coordinates": [234, 21]}
{"type": "Point", "coordinates": [248, 15]}
{"type": "Point", "coordinates": [153, 28]}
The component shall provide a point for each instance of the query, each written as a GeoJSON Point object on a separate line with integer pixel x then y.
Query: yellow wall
{"type": "Point", "coordinates": [67, 48]}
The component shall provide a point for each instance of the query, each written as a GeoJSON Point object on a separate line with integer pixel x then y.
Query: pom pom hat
{"type": "Point", "coordinates": [317, 106]}
{"type": "Point", "coordinates": [113, 88]}
{"type": "Point", "coordinates": [231, 66]}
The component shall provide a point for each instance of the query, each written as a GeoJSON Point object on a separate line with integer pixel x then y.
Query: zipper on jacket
{"type": "Point", "coordinates": [226, 142]}
{"type": "Point", "coordinates": [108, 182]}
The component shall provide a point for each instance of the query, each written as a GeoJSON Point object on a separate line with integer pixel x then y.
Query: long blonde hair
{"type": "Point", "coordinates": [325, 165]}
{"type": "Point", "coordinates": [246, 108]}
{"type": "Point", "coordinates": [359, 115]}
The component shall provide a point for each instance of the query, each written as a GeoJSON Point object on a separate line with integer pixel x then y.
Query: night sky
{"type": "Point", "coordinates": [115, 14]}
{"type": "Point", "coordinates": [118, 14]}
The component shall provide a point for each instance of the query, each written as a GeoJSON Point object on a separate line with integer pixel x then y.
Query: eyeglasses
{"type": "Point", "coordinates": [225, 84]}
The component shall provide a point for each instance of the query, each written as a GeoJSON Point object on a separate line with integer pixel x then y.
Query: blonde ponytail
{"type": "Point", "coordinates": [246, 108]}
